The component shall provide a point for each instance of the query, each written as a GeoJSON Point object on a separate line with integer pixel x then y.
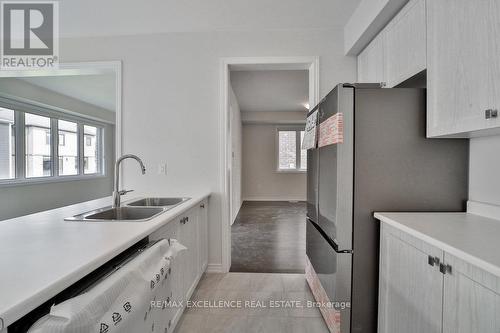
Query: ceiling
{"type": "Point", "coordinates": [271, 90]}
{"type": "Point", "coordinates": [127, 17]}
{"type": "Point", "coordinates": [98, 90]}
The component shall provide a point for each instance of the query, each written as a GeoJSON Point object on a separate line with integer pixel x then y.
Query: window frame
{"type": "Point", "coordinates": [20, 108]}
{"type": "Point", "coordinates": [297, 130]}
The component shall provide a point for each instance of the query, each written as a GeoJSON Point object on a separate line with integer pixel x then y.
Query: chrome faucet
{"type": "Point", "coordinates": [116, 192]}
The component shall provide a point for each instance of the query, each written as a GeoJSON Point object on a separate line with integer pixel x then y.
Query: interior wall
{"type": "Point", "coordinates": [277, 117]}
{"type": "Point", "coordinates": [235, 118]}
{"type": "Point", "coordinates": [260, 180]}
{"type": "Point", "coordinates": [484, 184]}
{"type": "Point", "coordinates": [45, 196]}
{"type": "Point", "coordinates": [170, 104]}
{"type": "Point", "coordinates": [19, 88]}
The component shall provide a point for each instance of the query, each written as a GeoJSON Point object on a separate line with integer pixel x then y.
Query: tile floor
{"type": "Point", "coordinates": [269, 237]}
{"type": "Point", "coordinates": [259, 288]}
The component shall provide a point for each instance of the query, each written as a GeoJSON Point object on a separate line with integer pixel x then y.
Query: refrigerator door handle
{"type": "Point", "coordinates": [333, 242]}
{"type": "Point", "coordinates": [335, 246]}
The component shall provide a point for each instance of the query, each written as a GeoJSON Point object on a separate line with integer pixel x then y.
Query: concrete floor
{"type": "Point", "coordinates": [260, 289]}
{"type": "Point", "coordinates": [269, 237]}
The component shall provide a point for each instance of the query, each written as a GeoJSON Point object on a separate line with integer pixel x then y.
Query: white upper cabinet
{"type": "Point", "coordinates": [371, 62]}
{"type": "Point", "coordinates": [399, 51]}
{"type": "Point", "coordinates": [405, 40]}
{"type": "Point", "coordinates": [463, 72]}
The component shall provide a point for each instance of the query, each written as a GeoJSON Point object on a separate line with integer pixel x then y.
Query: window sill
{"type": "Point", "coordinates": [47, 180]}
{"type": "Point", "coordinates": [291, 171]}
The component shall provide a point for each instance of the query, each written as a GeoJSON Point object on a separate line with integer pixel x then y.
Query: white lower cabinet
{"type": "Point", "coordinates": [203, 235]}
{"type": "Point", "coordinates": [471, 299]}
{"type": "Point", "coordinates": [190, 229]}
{"type": "Point", "coordinates": [410, 289]}
{"type": "Point", "coordinates": [424, 289]}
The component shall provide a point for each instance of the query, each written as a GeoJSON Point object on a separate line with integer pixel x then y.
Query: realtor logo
{"type": "Point", "coordinates": [29, 34]}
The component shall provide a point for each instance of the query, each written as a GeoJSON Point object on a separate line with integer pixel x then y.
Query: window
{"type": "Point", "coordinates": [37, 132]}
{"type": "Point", "coordinates": [53, 144]}
{"type": "Point", "coordinates": [62, 139]}
{"type": "Point", "coordinates": [68, 149]}
{"type": "Point", "coordinates": [290, 155]}
{"type": "Point", "coordinates": [7, 144]}
{"type": "Point", "coordinates": [91, 151]}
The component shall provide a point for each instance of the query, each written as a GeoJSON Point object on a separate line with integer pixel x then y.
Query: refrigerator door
{"type": "Point", "coordinates": [333, 270]}
{"type": "Point", "coordinates": [335, 175]}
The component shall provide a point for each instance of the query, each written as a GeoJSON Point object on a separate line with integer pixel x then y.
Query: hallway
{"type": "Point", "coordinates": [269, 237]}
{"type": "Point", "coordinates": [257, 292]}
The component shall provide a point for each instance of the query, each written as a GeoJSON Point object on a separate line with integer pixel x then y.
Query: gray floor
{"type": "Point", "coordinates": [257, 288]}
{"type": "Point", "coordinates": [269, 237]}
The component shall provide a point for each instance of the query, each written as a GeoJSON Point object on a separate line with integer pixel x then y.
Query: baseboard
{"type": "Point", "coordinates": [214, 268]}
{"type": "Point", "coordinates": [484, 209]}
{"type": "Point", "coordinates": [273, 199]}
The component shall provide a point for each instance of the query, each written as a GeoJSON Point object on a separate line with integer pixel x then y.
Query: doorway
{"type": "Point", "coordinates": [264, 174]}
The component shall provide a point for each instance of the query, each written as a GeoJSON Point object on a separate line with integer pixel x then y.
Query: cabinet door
{"type": "Point", "coordinates": [463, 70]}
{"type": "Point", "coordinates": [405, 35]}
{"type": "Point", "coordinates": [203, 234]}
{"type": "Point", "coordinates": [189, 237]}
{"type": "Point", "coordinates": [371, 62]}
{"type": "Point", "coordinates": [410, 289]}
{"type": "Point", "coordinates": [171, 230]}
{"type": "Point", "coordinates": [471, 299]}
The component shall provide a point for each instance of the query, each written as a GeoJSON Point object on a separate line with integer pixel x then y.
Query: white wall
{"type": "Point", "coordinates": [274, 117]}
{"type": "Point", "coordinates": [235, 118]}
{"type": "Point", "coordinates": [484, 183]}
{"type": "Point", "coordinates": [171, 99]}
{"type": "Point", "coordinates": [260, 180]}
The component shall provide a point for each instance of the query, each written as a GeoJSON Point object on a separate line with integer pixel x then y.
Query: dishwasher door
{"type": "Point", "coordinates": [133, 298]}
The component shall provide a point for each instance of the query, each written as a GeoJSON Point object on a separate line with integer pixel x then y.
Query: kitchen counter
{"type": "Point", "coordinates": [41, 254]}
{"type": "Point", "coordinates": [473, 238]}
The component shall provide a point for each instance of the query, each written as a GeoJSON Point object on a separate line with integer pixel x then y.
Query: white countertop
{"type": "Point", "coordinates": [41, 254]}
{"type": "Point", "coordinates": [473, 238]}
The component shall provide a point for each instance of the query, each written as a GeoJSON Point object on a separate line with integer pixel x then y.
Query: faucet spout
{"type": "Point", "coordinates": [116, 191]}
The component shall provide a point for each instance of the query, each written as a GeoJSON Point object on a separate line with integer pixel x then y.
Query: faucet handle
{"type": "Point", "coordinates": [123, 192]}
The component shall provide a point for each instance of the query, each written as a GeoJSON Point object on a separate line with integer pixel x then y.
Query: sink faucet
{"type": "Point", "coordinates": [116, 192]}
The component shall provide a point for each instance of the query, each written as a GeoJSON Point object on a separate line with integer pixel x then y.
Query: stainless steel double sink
{"type": "Point", "coordinates": [140, 210]}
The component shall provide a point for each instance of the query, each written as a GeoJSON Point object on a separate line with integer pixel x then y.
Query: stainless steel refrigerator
{"type": "Point", "coordinates": [385, 163]}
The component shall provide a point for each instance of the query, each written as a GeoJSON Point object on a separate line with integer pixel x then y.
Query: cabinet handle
{"type": "Point", "coordinates": [490, 113]}
{"type": "Point", "coordinates": [187, 219]}
{"type": "Point", "coordinates": [433, 260]}
{"type": "Point", "coordinates": [202, 205]}
{"type": "Point", "coordinates": [445, 269]}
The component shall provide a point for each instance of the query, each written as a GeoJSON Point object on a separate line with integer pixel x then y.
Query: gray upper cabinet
{"type": "Point", "coordinates": [463, 72]}
{"type": "Point", "coordinates": [371, 62]}
{"type": "Point", "coordinates": [405, 38]}
{"type": "Point", "coordinates": [410, 288]}
{"type": "Point", "coordinates": [471, 299]}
